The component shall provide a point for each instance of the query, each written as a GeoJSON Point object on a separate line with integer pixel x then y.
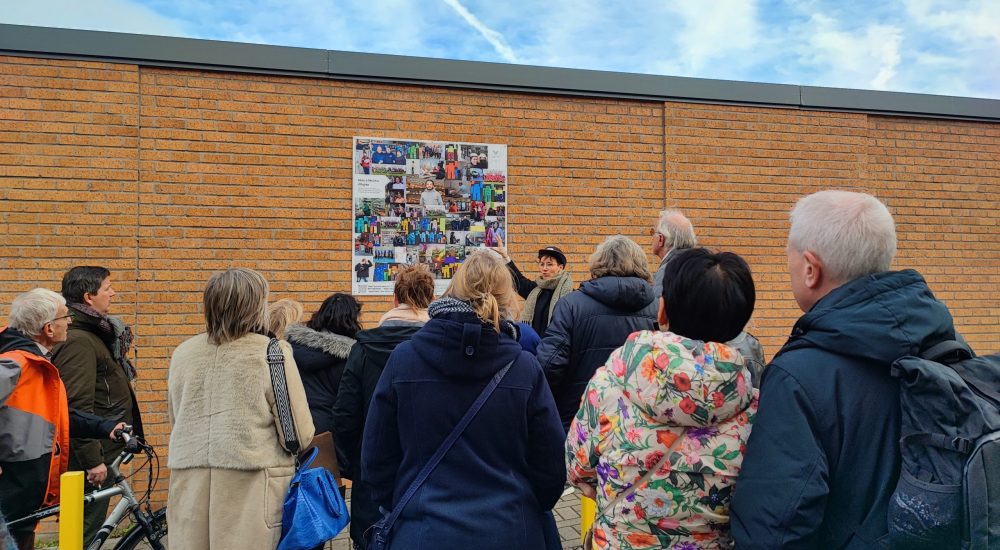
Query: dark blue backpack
{"type": "Point", "coordinates": [948, 492]}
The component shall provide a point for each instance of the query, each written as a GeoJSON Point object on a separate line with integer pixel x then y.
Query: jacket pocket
{"type": "Point", "coordinates": [276, 482]}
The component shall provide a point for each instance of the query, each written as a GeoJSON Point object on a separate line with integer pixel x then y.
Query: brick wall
{"type": "Point", "coordinates": [166, 176]}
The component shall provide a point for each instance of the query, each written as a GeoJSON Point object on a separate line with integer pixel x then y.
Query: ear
{"type": "Point", "coordinates": [48, 331]}
{"type": "Point", "coordinates": [661, 315]}
{"type": "Point", "coordinates": [87, 299]}
{"type": "Point", "coordinates": [813, 276]}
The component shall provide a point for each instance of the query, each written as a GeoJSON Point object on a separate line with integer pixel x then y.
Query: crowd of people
{"type": "Point", "coordinates": [640, 388]}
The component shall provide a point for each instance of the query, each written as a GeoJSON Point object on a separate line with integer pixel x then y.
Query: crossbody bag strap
{"type": "Point", "coordinates": [446, 446]}
{"type": "Point", "coordinates": [276, 362]}
{"type": "Point", "coordinates": [635, 486]}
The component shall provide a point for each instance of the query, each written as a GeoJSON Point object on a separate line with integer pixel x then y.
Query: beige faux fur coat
{"type": "Point", "coordinates": [228, 469]}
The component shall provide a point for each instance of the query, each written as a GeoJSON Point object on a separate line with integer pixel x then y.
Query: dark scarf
{"type": "Point", "coordinates": [447, 305]}
{"type": "Point", "coordinates": [113, 331]}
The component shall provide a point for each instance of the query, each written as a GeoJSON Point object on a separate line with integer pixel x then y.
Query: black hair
{"type": "Point", "coordinates": [708, 296]}
{"type": "Point", "coordinates": [83, 279]}
{"type": "Point", "coordinates": [339, 314]}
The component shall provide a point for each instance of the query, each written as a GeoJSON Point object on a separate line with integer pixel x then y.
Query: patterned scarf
{"type": "Point", "coordinates": [560, 285]}
{"type": "Point", "coordinates": [447, 305]}
{"type": "Point", "coordinates": [113, 331]}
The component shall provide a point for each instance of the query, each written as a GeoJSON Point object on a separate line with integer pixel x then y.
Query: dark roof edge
{"type": "Point", "coordinates": [282, 60]}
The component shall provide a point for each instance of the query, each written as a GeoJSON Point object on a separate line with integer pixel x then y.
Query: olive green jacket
{"type": "Point", "coordinates": [97, 384]}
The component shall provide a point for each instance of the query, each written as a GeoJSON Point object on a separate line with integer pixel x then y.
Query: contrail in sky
{"type": "Point", "coordinates": [493, 37]}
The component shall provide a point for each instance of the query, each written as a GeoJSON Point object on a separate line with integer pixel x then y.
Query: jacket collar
{"type": "Point", "coordinates": [328, 342]}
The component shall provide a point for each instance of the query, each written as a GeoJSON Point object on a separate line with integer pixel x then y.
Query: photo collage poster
{"type": "Point", "coordinates": [426, 202]}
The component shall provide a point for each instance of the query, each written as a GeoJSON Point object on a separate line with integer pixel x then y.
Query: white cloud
{"type": "Point", "coordinates": [104, 15]}
{"type": "Point", "coordinates": [494, 38]}
{"type": "Point", "coordinates": [864, 58]}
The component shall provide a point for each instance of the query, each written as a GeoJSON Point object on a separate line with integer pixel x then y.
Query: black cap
{"type": "Point", "coordinates": [553, 252]}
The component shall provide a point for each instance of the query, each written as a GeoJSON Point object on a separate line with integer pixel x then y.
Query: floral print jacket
{"type": "Point", "coordinates": [657, 387]}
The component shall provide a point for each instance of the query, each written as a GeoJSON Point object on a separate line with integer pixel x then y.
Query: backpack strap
{"type": "Point", "coordinates": [960, 445]}
{"type": "Point", "coordinates": [949, 348]}
{"type": "Point", "coordinates": [446, 446]}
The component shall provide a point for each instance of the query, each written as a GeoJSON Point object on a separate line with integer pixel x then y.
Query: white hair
{"type": "Point", "coordinates": [31, 311]}
{"type": "Point", "coordinates": [851, 233]}
{"type": "Point", "coordinates": [677, 231]}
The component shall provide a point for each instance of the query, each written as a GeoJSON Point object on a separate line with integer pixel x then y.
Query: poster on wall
{"type": "Point", "coordinates": [428, 202]}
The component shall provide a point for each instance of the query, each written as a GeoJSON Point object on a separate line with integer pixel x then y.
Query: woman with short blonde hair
{"type": "Point", "coordinates": [226, 444]}
{"type": "Point", "coordinates": [491, 489]}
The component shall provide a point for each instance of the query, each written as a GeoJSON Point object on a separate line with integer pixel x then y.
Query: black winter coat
{"type": "Point", "coordinates": [489, 491]}
{"type": "Point", "coordinates": [587, 325]}
{"type": "Point", "coordinates": [364, 367]}
{"type": "Point", "coordinates": [823, 457]}
{"type": "Point", "coordinates": [320, 357]}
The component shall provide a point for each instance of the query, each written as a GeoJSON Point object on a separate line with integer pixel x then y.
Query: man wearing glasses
{"type": "Point", "coordinates": [94, 366]}
{"type": "Point", "coordinates": [35, 421]}
{"type": "Point", "coordinates": [673, 231]}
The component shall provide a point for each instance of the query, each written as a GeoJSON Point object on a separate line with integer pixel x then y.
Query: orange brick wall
{"type": "Point", "coordinates": [166, 176]}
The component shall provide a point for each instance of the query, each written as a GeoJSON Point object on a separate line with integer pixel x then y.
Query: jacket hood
{"type": "Point", "coordinates": [380, 342]}
{"type": "Point", "coordinates": [12, 339]}
{"type": "Point", "coordinates": [680, 381]}
{"type": "Point", "coordinates": [624, 293]}
{"type": "Point", "coordinates": [332, 344]}
{"type": "Point", "coordinates": [879, 318]}
{"type": "Point", "coordinates": [460, 346]}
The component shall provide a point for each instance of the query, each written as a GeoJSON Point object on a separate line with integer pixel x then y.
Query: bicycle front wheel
{"type": "Point", "coordinates": [136, 538]}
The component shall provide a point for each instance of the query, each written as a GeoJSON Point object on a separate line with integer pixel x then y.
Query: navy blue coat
{"type": "Point", "coordinates": [490, 490]}
{"type": "Point", "coordinates": [587, 325]}
{"type": "Point", "coordinates": [823, 456]}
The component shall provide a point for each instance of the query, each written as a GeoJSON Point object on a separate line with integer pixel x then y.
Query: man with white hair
{"type": "Point", "coordinates": [823, 458]}
{"type": "Point", "coordinates": [35, 420]}
{"type": "Point", "coordinates": [672, 232]}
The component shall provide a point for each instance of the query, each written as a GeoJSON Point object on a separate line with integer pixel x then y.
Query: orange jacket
{"type": "Point", "coordinates": [37, 400]}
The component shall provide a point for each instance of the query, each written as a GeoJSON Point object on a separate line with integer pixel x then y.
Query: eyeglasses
{"type": "Point", "coordinates": [67, 316]}
{"type": "Point", "coordinates": [653, 231]}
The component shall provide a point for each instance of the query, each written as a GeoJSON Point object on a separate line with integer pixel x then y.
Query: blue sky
{"type": "Point", "coordinates": [949, 47]}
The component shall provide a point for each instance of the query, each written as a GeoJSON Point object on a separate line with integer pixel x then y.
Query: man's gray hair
{"type": "Point", "coordinates": [619, 256]}
{"type": "Point", "coordinates": [851, 233]}
{"type": "Point", "coordinates": [32, 310]}
{"type": "Point", "coordinates": [676, 229]}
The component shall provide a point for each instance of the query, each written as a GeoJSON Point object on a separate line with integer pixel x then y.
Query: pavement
{"type": "Point", "coordinates": [567, 512]}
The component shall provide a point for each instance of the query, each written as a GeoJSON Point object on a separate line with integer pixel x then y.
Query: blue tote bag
{"type": "Point", "coordinates": [314, 511]}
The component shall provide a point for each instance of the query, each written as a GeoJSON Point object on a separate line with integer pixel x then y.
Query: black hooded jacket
{"type": "Point", "coordinates": [587, 325]}
{"type": "Point", "coordinates": [823, 457]}
{"type": "Point", "coordinates": [364, 366]}
{"type": "Point", "coordinates": [320, 357]}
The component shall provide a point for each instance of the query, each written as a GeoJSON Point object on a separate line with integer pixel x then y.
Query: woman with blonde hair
{"type": "Point", "coordinates": [590, 323]}
{"type": "Point", "coordinates": [490, 490]}
{"type": "Point", "coordinates": [229, 468]}
{"type": "Point", "coordinates": [281, 315]}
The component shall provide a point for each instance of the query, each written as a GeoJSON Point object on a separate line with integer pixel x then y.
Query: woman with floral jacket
{"type": "Point", "coordinates": [679, 392]}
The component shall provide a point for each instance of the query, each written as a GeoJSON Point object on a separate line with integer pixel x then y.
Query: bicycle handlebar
{"type": "Point", "coordinates": [132, 445]}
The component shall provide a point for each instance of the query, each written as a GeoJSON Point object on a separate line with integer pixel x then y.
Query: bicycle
{"type": "Point", "coordinates": [149, 529]}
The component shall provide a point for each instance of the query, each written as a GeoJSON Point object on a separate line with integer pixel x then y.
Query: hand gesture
{"type": "Point", "coordinates": [501, 248]}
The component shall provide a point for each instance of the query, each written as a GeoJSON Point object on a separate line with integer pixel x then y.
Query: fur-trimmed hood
{"type": "Point", "coordinates": [332, 344]}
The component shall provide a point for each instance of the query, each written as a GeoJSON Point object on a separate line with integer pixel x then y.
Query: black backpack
{"type": "Point", "coordinates": [948, 492]}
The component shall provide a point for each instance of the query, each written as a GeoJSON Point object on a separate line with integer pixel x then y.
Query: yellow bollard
{"type": "Point", "coordinates": [71, 511]}
{"type": "Point", "coordinates": [588, 512]}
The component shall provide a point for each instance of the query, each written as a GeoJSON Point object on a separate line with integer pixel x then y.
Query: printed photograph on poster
{"type": "Point", "coordinates": [425, 202]}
